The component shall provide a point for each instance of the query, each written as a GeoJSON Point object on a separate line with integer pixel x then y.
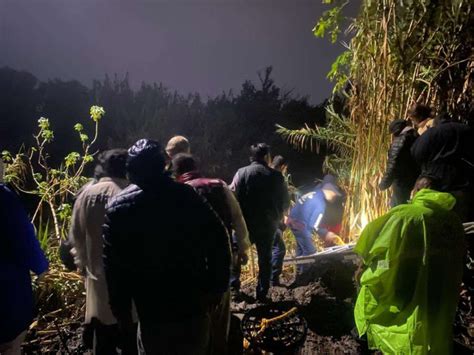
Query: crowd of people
{"type": "Point", "coordinates": [161, 246]}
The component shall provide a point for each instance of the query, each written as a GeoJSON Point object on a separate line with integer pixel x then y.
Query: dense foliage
{"type": "Point", "coordinates": [220, 128]}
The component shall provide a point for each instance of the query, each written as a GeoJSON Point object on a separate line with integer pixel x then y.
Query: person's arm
{"type": "Point", "coordinates": [77, 234]}
{"type": "Point", "coordinates": [283, 194]}
{"type": "Point", "coordinates": [392, 163]}
{"type": "Point", "coordinates": [318, 209]}
{"type": "Point", "coordinates": [94, 220]}
{"type": "Point", "coordinates": [235, 182]}
{"type": "Point", "coordinates": [238, 222]}
{"type": "Point", "coordinates": [120, 299]}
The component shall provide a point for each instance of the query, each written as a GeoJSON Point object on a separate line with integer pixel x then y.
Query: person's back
{"type": "Point", "coordinates": [307, 209]}
{"type": "Point", "coordinates": [213, 190]}
{"type": "Point", "coordinates": [167, 250]}
{"type": "Point", "coordinates": [401, 171]}
{"type": "Point", "coordinates": [160, 236]}
{"type": "Point", "coordinates": [262, 194]}
{"type": "Point", "coordinates": [222, 200]}
{"type": "Point", "coordinates": [413, 260]}
{"type": "Point", "coordinates": [445, 153]}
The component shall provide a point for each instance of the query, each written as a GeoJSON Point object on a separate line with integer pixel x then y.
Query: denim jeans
{"type": "Point", "coordinates": [264, 243]}
{"type": "Point", "coordinates": [278, 254]}
{"type": "Point", "coordinates": [304, 245]}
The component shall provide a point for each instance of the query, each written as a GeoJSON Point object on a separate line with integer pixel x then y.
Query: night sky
{"type": "Point", "coordinates": [206, 46]}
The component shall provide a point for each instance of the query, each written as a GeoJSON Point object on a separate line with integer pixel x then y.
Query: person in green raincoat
{"type": "Point", "coordinates": [413, 263]}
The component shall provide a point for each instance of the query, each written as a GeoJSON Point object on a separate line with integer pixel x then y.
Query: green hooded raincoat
{"type": "Point", "coordinates": [413, 260]}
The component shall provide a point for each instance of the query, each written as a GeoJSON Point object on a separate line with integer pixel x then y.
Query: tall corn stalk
{"type": "Point", "coordinates": [401, 52]}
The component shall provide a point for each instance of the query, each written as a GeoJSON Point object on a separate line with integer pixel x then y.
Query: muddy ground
{"type": "Point", "coordinates": [324, 295]}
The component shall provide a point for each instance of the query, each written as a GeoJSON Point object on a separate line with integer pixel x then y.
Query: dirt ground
{"type": "Point", "coordinates": [324, 296]}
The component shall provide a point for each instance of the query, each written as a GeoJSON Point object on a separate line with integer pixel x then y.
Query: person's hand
{"type": "Point", "coordinates": [243, 258]}
{"type": "Point", "coordinates": [332, 239]}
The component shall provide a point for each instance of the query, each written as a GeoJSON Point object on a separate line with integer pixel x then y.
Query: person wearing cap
{"type": "Point", "coordinates": [307, 215]}
{"type": "Point", "coordinates": [20, 253]}
{"type": "Point", "coordinates": [85, 237]}
{"type": "Point", "coordinates": [401, 171]}
{"type": "Point", "coordinates": [166, 250]}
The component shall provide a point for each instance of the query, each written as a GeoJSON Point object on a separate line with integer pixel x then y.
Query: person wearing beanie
{"type": "Point", "coordinates": [166, 251]}
{"type": "Point", "coordinates": [401, 171]}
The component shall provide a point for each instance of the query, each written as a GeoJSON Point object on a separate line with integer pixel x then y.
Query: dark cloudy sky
{"type": "Point", "coordinates": [206, 46]}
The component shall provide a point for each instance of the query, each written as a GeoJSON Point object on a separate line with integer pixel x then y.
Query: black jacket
{"type": "Point", "coordinates": [445, 153]}
{"type": "Point", "coordinates": [166, 249]}
{"type": "Point", "coordinates": [402, 169]}
{"type": "Point", "coordinates": [263, 195]}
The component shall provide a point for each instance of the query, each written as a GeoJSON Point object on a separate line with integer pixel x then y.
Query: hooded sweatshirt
{"type": "Point", "coordinates": [413, 260]}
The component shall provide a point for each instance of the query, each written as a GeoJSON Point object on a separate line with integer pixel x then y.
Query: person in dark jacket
{"type": "Point", "coordinates": [402, 170]}
{"type": "Point", "coordinates": [20, 253]}
{"type": "Point", "coordinates": [166, 250]}
{"type": "Point", "coordinates": [263, 196]}
{"type": "Point", "coordinates": [445, 154]}
{"type": "Point", "coordinates": [223, 201]}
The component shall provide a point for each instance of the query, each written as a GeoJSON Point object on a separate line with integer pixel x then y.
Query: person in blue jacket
{"type": "Point", "coordinates": [309, 214]}
{"type": "Point", "coordinates": [20, 253]}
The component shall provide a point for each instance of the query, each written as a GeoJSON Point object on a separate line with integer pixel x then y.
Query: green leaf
{"type": "Point", "coordinates": [78, 127]}
{"type": "Point", "coordinates": [84, 137]}
{"type": "Point", "coordinates": [7, 156]}
{"type": "Point", "coordinates": [97, 112]}
{"type": "Point", "coordinates": [71, 159]}
{"type": "Point", "coordinates": [43, 123]}
{"type": "Point", "coordinates": [88, 158]}
{"type": "Point", "coordinates": [38, 176]}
